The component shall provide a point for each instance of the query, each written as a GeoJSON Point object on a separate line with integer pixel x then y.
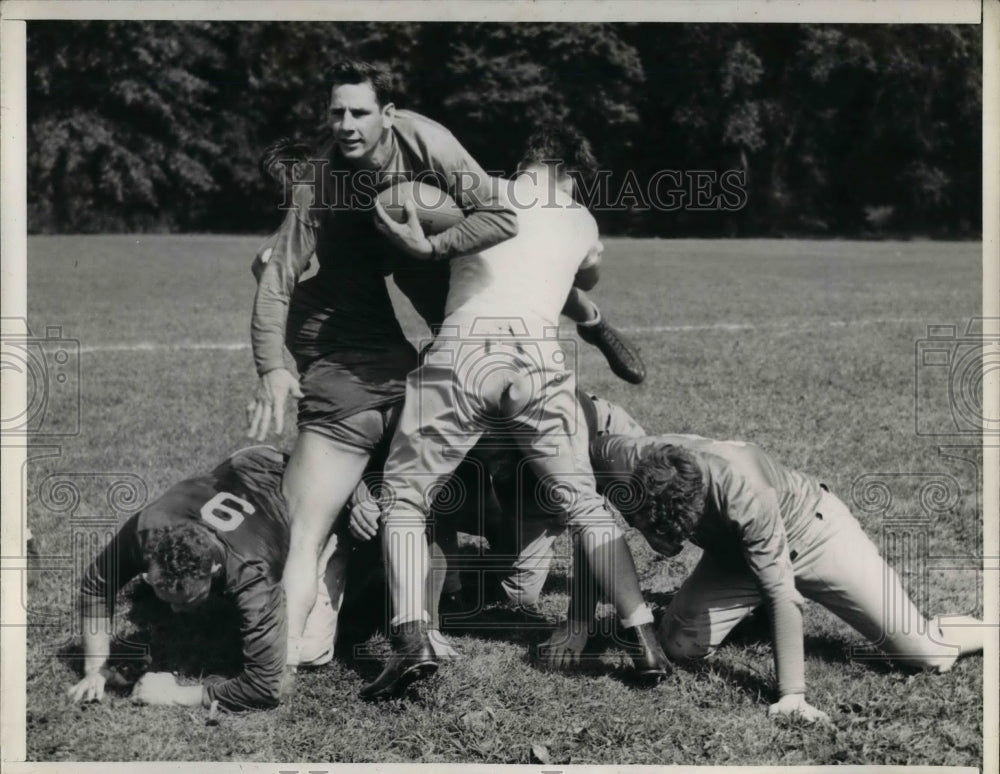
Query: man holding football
{"type": "Point", "coordinates": [340, 326]}
{"type": "Point", "coordinates": [770, 535]}
{"type": "Point", "coordinates": [496, 363]}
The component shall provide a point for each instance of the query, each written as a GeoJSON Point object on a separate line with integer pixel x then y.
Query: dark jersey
{"type": "Point", "coordinates": [344, 315]}
{"type": "Point", "coordinates": [241, 502]}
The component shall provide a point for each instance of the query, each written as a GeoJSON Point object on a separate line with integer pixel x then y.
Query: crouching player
{"type": "Point", "coordinates": [770, 535]}
{"type": "Point", "coordinates": [225, 531]}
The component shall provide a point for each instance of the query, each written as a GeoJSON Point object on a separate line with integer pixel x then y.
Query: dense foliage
{"type": "Point", "coordinates": [833, 129]}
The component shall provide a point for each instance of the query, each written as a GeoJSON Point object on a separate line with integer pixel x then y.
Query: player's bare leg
{"type": "Point", "coordinates": [320, 477]}
{"type": "Point", "coordinates": [444, 542]}
{"type": "Point", "coordinates": [622, 355]}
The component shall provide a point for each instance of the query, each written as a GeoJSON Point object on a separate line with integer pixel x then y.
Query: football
{"type": "Point", "coordinates": [436, 210]}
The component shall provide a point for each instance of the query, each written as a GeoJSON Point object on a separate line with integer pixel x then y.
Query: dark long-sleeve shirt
{"type": "Point", "coordinates": [347, 307]}
{"type": "Point", "coordinates": [241, 501]}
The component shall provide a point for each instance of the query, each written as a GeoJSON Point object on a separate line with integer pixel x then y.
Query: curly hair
{"type": "Point", "coordinates": [358, 71]}
{"type": "Point", "coordinates": [281, 150]}
{"type": "Point", "coordinates": [180, 556]}
{"type": "Point", "coordinates": [562, 145]}
{"type": "Point", "coordinates": [674, 492]}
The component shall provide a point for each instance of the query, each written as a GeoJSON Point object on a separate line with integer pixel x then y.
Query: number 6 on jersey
{"type": "Point", "coordinates": [220, 513]}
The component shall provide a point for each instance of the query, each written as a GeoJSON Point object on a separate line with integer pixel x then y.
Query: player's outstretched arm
{"type": "Point", "coordinates": [119, 562]}
{"type": "Point", "coordinates": [277, 267]}
{"type": "Point", "coordinates": [96, 648]}
{"type": "Point", "coordinates": [566, 645]}
{"type": "Point", "coordinates": [757, 515]}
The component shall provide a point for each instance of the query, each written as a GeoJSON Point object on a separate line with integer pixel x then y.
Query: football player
{"type": "Point", "coordinates": [340, 325]}
{"type": "Point", "coordinates": [285, 159]}
{"type": "Point", "coordinates": [226, 531]}
{"type": "Point", "coordinates": [495, 358]}
{"type": "Point", "coordinates": [771, 535]}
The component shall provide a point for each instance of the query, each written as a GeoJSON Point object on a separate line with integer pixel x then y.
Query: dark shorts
{"type": "Point", "coordinates": [369, 430]}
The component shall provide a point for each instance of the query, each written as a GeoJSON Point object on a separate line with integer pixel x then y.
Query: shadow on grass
{"type": "Point", "coordinates": [205, 641]}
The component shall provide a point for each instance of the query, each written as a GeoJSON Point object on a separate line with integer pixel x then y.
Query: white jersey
{"type": "Point", "coordinates": [530, 275]}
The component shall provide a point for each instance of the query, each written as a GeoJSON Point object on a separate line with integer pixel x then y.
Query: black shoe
{"type": "Point", "coordinates": [650, 662]}
{"type": "Point", "coordinates": [623, 357]}
{"type": "Point", "coordinates": [412, 659]}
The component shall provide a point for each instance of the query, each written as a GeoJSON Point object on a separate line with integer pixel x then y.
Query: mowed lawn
{"type": "Point", "coordinates": [806, 347]}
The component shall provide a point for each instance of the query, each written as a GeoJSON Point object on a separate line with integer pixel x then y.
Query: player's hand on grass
{"type": "Point", "coordinates": [155, 688]}
{"type": "Point", "coordinates": [794, 705]}
{"type": "Point", "coordinates": [563, 649]}
{"type": "Point", "coordinates": [409, 236]}
{"type": "Point", "coordinates": [269, 402]}
{"type": "Point", "coordinates": [90, 688]}
{"type": "Point", "coordinates": [364, 521]}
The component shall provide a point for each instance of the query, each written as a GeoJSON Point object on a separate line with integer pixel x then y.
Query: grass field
{"type": "Point", "coordinates": [805, 347]}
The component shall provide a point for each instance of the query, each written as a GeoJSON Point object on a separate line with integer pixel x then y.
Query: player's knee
{"type": "Point", "coordinates": [524, 588]}
{"type": "Point", "coordinates": [683, 643]}
{"type": "Point", "coordinates": [593, 533]}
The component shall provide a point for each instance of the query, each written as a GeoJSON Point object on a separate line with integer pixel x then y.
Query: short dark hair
{"type": "Point", "coordinates": [674, 494]}
{"type": "Point", "coordinates": [358, 71]}
{"type": "Point", "coordinates": [180, 556]}
{"type": "Point", "coordinates": [563, 146]}
{"type": "Point", "coordinates": [282, 149]}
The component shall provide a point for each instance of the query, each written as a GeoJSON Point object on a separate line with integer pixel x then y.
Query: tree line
{"type": "Point", "coordinates": [699, 129]}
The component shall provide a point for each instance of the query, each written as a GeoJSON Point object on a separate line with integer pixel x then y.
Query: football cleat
{"type": "Point", "coordinates": [650, 662]}
{"type": "Point", "coordinates": [412, 659]}
{"type": "Point", "coordinates": [623, 357]}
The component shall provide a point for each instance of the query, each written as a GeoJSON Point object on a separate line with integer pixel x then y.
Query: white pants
{"type": "Point", "coordinates": [320, 633]}
{"type": "Point", "coordinates": [836, 565]}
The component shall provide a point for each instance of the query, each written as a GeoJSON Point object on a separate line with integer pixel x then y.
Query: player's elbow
{"type": "Point", "coordinates": [506, 221]}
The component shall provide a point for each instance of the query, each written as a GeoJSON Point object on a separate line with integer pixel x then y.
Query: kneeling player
{"type": "Point", "coordinates": [227, 531]}
{"type": "Point", "coordinates": [770, 535]}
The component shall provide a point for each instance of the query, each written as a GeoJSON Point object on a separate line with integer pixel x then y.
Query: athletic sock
{"type": "Point", "coordinates": [399, 620]}
{"type": "Point", "coordinates": [963, 631]}
{"type": "Point", "coordinates": [642, 615]}
{"type": "Point", "coordinates": [593, 321]}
